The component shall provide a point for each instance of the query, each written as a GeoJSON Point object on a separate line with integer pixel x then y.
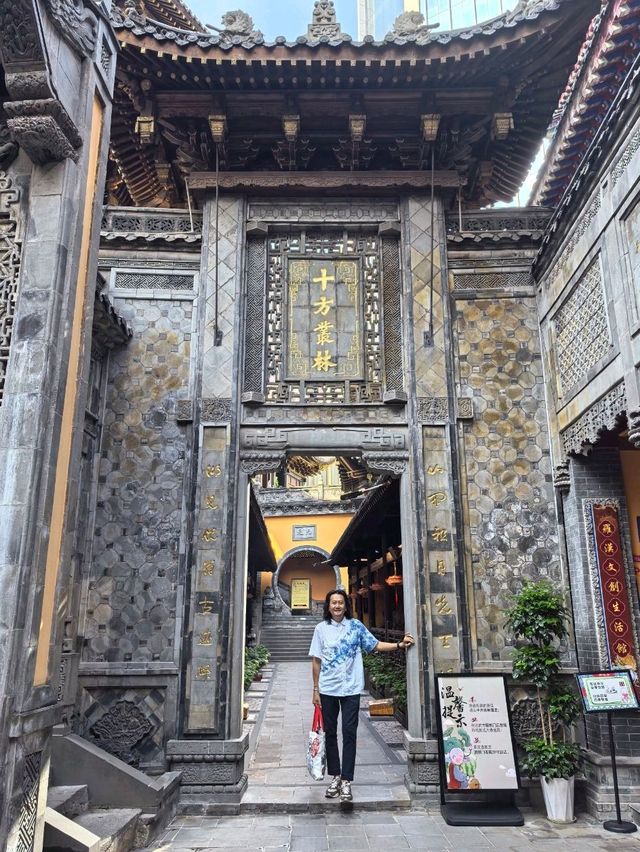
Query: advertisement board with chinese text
{"type": "Point", "coordinates": [477, 750]}
{"type": "Point", "coordinates": [604, 692]}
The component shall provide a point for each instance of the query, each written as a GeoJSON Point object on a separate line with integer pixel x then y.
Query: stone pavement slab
{"type": "Point", "coordinates": [284, 810]}
{"type": "Point", "coordinates": [423, 830]}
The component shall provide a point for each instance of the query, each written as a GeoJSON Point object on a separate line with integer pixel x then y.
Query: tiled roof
{"type": "Point", "coordinates": [507, 23]}
{"type": "Point", "coordinates": [610, 48]}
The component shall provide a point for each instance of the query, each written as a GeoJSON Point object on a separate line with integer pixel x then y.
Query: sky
{"type": "Point", "coordinates": [289, 18]}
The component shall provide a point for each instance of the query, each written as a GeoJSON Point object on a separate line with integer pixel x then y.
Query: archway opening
{"type": "Point", "coordinates": [331, 523]}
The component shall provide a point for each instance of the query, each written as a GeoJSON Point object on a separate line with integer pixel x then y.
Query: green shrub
{"type": "Point", "coordinates": [539, 617]}
{"type": "Point", "coordinates": [254, 659]}
{"type": "Point", "coordinates": [386, 673]}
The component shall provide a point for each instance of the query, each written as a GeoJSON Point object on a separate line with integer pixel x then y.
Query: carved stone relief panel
{"type": "Point", "coordinates": [581, 326]}
{"type": "Point", "coordinates": [322, 212]}
{"type": "Point", "coordinates": [604, 415]}
{"type": "Point", "coordinates": [10, 252]}
{"type": "Point", "coordinates": [29, 806]}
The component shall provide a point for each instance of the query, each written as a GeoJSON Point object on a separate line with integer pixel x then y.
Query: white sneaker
{"type": "Point", "coordinates": [333, 790]}
{"type": "Point", "coordinates": [345, 791]}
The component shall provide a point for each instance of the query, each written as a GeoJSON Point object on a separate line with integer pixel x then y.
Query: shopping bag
{"type": "Point", "coordinates": [316, 756]}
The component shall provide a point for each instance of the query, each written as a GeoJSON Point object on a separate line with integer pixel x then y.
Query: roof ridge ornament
{"type": "Point", "coordinates": [324, 23]}
{"type": "Point", "coordinates": [410, 25]}
{"type": "Point", "coordinates": [237, 25]}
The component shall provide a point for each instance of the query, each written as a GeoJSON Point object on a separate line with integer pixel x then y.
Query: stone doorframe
{"type": "Point", "coordinates": [279, 603]}
{"type": "Point", "coordinates": [385, 450]}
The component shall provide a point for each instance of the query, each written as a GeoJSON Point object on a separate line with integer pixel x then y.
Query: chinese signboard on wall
{"type": "Point", "coordinates": [613, 587]}
{"type": "Point", "coordinates": [476, 744]}
{"type": "Point", "coordinates": [607, 691]}
{"type": "Point", "coordinates": [324, 329]}
{"type": "Point", "coordinates": [304, 532]}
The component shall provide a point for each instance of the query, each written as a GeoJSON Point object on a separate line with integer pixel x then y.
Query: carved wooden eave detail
{"type": "Point", "coordinates": [515, 65]}
{"type": "Point", "coordinates": [354, 182]}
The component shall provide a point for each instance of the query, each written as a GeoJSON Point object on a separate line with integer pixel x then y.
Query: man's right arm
{"type": "Point", "coordinates": [315, 671]}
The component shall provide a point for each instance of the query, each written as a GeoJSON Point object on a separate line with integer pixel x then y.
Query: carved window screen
{"type": "Point", "coordinates": [308, 246]}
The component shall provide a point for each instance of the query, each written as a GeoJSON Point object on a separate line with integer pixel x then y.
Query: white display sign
{"type": "Point", "coordinates": [607, 691]}
{"type": "Point", "coordinates": [477, 749]}
{"type": "Point", "coordinates": [304, 533]}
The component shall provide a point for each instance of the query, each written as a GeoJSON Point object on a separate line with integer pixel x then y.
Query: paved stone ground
{"type": "Point", "coordinates": [278, 782]}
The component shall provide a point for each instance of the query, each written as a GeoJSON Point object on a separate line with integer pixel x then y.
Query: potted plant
{"type": "Point", "coordinates": [539, 620]}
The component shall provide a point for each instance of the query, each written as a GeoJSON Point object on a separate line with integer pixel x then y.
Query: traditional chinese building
{"type": "Point", "coordinates": [292, 262]}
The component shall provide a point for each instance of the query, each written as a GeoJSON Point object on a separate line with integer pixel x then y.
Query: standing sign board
{"type": "Point", "coordinates": [476, 746]}
{"type": "Point", "coordinates": [605, 691]}
{"type": "Point", "coordinates": [610, 692]}
{"type": "Point", "coordinates": [300, 594]}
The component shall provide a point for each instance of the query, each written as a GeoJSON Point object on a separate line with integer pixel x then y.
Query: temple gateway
{"type": "Point", "coordinates": [234, 271]}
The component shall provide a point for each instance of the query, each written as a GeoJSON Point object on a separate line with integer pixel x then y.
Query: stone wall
{"type": "Point", "coordinates": [508, 501]}
{"type": "Point", "coordinates": [132, 602]}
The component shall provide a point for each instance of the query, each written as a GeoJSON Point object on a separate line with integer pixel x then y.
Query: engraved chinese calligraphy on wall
{"type": "Point", "coordinates": [324, 319]}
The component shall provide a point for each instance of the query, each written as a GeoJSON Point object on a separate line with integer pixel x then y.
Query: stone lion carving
{"type": "Point", "coordinates": [237, 23]}
{"type": "Point", "coordinates": [410, 24]}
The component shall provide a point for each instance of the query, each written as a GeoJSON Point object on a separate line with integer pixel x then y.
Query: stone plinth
{"type": "Point", "coordinates": [212, 770]}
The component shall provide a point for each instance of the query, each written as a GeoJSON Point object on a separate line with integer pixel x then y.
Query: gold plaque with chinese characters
{"type": "Point", "coordinates": [324, 319]}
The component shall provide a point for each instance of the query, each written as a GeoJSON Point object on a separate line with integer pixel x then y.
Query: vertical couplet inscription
{"type": "Point", "coordinates": [205, 607]}
{"type": "Point", "coordinates": [440, 554]}
{"type": "Point", "coordinates": [324, 320]}
{"type": "Point", "coordinates": [613, 587]}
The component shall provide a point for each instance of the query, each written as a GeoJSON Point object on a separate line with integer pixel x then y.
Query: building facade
{"type": "Point", "coordinates": [293, 262]}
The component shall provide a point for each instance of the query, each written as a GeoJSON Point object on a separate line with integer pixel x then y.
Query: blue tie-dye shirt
{"type": "Point", "coordinates": [338, 644]}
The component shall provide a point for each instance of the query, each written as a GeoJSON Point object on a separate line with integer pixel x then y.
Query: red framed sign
{"type": "Point", "coordinates": [613, 587]}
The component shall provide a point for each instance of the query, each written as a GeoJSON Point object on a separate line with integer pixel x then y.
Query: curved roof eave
{"type": "Point", "coordinates": [511, 28]}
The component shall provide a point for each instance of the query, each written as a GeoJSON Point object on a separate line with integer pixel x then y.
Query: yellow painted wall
{"type": "Point", "coordinates": [323, 577]}
{"type": "Point", "coordinates": [631, 472]}
{"type": "Point", "coordinates": [329, 528]}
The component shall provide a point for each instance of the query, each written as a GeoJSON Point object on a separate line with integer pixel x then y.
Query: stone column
{"type": "Point", "coordinates": [59, 81]}
{"type": "Point", "coordinates": [210, 748]}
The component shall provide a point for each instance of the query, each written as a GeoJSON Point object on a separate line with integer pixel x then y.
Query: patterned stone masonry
{"type": "Point", "coordinates": [509, 496]}
{"type": "Point", "coordinates": [205, 590]}
{"type": "Point", "coordinates": [130, 610]}
{"type": "Point", "coordinates": [439, 551]}
{"type": "Point", "coordinates": [430, 362]}
{"type": "Point", "coordinates": [581, 328]}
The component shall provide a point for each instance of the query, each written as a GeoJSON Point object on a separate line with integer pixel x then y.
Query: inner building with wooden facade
{"type": "Point", "coordinates": [261, 322]}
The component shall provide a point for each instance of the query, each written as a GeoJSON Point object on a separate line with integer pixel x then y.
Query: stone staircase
{"type": "Point", "coordinates": [71, 825]}
{"type": "Point", "coordinates": [288, 639]}
{"type": "Point", "coordinates": [98, 803]}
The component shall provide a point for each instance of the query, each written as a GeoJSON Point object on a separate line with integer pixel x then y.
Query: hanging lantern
{"type": "Point", "coordinates": [376, 587]}
{"type": "Point", "coordinates": [394, 579]}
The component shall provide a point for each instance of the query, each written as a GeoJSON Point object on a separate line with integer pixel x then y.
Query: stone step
{"type": "Point", "coordinates": [105, 830]}
{"type": "Point", "coordinates": [69, 801]}
{"type": "Point", "coordinates": [310, 798]}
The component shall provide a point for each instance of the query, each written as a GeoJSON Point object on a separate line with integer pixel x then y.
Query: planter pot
{"type": "Point", "coordinates": [558, 798]}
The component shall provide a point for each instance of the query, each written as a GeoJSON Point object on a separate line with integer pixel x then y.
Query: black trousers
{"type": "Point", "coordinates": [331, 707]}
